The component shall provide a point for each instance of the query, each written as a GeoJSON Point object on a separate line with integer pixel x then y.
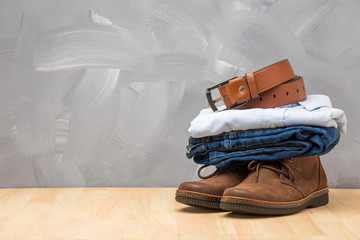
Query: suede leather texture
{"type": "Point", "coordinates": [217, 184]}
{"type": "Point", "coordinates": [309, 176]}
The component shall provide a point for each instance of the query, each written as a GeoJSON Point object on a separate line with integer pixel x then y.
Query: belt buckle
{"type": "Point", "coordinates": [212, 102]}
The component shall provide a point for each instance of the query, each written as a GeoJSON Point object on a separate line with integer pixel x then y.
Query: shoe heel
{"type": "Point", "coordinates": [319, 201]}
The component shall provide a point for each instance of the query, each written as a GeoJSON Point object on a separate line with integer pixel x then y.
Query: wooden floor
{"type": "Point", "coordinates": [152, 213]}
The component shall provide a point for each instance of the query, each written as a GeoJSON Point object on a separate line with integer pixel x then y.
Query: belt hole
{"type": "Point", "coordinates": [297, 90]}
{"type": "Point", "coordinates": [274, 96]}
{"type": "Point", "coordinates": [287, 93]}
{"type": "Point", "coordinates": [260, 98]}
{"type": "Point", "coordinates": [303, 88]}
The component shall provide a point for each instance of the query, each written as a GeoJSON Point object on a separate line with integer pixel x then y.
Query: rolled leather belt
{"type": "Point", "coordinates": [272, 86]}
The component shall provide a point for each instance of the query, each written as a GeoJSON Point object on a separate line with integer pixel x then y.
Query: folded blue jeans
{"type": "Point", "coordinates": [240, 147]}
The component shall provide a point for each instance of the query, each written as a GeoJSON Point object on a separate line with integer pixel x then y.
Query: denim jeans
{"type": "Point", "coordinates": [240, 147]}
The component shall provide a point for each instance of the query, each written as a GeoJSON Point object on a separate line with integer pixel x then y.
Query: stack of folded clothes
{"type": "Point", "coordinates": [265, 144]}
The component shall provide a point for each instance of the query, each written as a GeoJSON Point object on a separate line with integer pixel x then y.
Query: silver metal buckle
{"type": "Point", "coordinates": [212, 102]}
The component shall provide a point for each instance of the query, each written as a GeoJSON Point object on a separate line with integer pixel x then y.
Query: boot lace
{"type": "Point", "coordinates": [210, 175]}
{"type": "Point", "coordinates": [278, 166]}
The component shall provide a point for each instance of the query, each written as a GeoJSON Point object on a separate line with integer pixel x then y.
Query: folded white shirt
{"type": "Point", "coordinates": [315, 110]}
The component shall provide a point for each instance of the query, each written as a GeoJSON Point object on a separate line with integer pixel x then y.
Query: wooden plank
{"type": "Point", "coordinates": [152, 213]}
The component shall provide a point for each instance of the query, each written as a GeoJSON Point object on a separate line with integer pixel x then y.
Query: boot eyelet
{"type": "Point", "coordinates": [287, 178]}
{"type": "Point", "coordinates": [291, 160]}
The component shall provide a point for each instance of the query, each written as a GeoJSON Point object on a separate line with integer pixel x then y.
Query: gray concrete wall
{"type": "Point", "coordinates": [101, 93]}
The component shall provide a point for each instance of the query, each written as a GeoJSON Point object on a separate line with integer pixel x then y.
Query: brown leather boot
{"type": "Point", "coordinates": [279, 187]}
{"type": "Point", "coordinates": [207, 192]}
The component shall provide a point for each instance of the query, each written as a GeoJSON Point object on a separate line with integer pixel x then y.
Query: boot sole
{"type": "Point", "coordinates": [198, 199]}
{"type": "Point", "coordinates": [243, 205]}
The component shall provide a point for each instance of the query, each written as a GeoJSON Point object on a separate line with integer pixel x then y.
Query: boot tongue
{"type": "Point", "coordinates": [265, 174]}
{"type": "Point", "coordinates": [262, 174]}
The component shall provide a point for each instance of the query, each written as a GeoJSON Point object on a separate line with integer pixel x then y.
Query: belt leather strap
{"type": "Point", "coordinates": [272, 86]}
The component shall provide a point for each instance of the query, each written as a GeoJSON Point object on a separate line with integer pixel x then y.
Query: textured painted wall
{"type": "Point", "coordinates": [101, 93]}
